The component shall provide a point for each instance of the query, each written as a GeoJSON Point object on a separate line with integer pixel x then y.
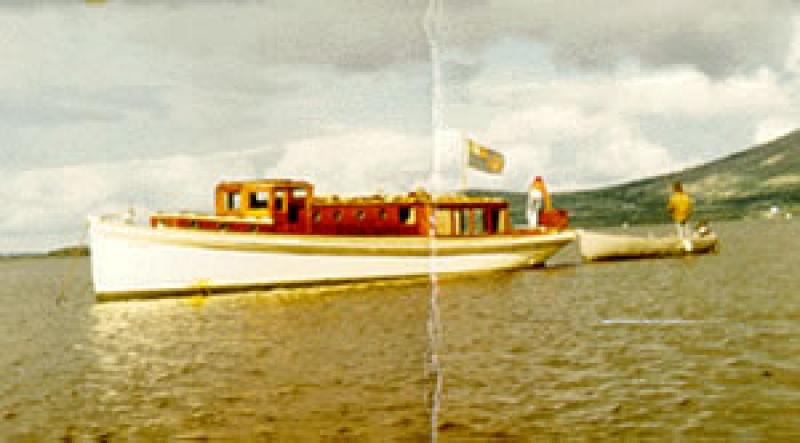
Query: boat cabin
{"type": "Point", "coordinates": [290, 206]}
{"type": "Point", "coordinates": [283, 204]}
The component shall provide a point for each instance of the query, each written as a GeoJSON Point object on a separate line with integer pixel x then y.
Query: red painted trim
{"type": "Point", "coordinates": [355, 218]}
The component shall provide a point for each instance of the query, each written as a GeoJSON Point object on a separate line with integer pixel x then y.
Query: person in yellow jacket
{"type": "Point", "coordinates": [680, 206]}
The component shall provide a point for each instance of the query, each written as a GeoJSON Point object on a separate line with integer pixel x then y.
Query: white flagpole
{"type": "Point", "coordinates": [464, 145]}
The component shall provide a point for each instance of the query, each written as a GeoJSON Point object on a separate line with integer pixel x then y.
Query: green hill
{"type": "Point", "coordinates": [744, 184]}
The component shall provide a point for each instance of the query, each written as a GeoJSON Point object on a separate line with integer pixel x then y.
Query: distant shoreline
{"type": "Point", "coordinates": [67, 251]}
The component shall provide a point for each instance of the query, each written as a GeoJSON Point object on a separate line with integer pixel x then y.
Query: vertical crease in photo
{"type": "Point", "coordinates": [432, 25]}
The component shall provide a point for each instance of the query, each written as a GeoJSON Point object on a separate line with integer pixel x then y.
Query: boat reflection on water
{"type": "Point", "coordinates": [340, 359]}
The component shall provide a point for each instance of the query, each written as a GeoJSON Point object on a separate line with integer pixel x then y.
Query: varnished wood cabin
{"type": "Point", "coordinates": [290, 206]}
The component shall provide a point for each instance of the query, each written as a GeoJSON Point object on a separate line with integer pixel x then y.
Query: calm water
{"type": "Point", "coordinates": [701, 348]}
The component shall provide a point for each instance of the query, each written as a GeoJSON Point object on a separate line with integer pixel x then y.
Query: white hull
{"type": "Point", "coordinates": [138, 259]}
{"type": "Point", "coordinates": [596, 246]}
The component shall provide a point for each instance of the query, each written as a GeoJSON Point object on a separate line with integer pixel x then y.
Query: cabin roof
{"type": "Point", "coordinates": [420, 196]}
{"type": "Point", "coordinates": [283, 182]}
{"type": "Point", "coordinates": [439, 200]}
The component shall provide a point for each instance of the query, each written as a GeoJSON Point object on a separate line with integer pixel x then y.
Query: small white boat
{"type": "Point", "coordinates": [595, 246]}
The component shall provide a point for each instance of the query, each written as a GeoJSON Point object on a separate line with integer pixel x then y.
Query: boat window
{"type": "Point", "coordinates": [382, 214]}
{"type": "Point", "coordinates": [280, 200]}
{"type": "Point", "coordinates": [407, 215]}
{"type": "Point", "coordinates": [317, 216]}
{"type": "Point", "coordinates": [233, 200]}
{"type": "Point", "coordinates": [337, 215]}
{"type": "Point", "coordinates": [259, 200]}
{"type": "Point", "coordinates": [462, 221]}
{"type": "Point", "coordinates": [494, 214]}
{"type": "Point", "coordinates": [299, 193]}
{"type": "Point", "coordinates": [480, 223]}
{"type": "Point", "coordinates": [361, 215]}
{"type": "Point", "coordinates": [444, 219]}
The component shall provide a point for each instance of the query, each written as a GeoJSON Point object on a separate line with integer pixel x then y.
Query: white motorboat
{"type": "Point", "coordinates": [275, 232]}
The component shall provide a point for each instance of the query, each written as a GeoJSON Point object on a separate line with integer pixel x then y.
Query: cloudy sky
{"type": "Point", "coordinates": [148, 104]}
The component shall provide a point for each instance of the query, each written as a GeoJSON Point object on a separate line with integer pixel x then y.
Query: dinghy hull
{"type": "Point", "coordinates": [596, 246]}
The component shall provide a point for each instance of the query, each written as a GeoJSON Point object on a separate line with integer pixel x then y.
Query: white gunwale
{"type": "Point", "coordinates": [332, 244]}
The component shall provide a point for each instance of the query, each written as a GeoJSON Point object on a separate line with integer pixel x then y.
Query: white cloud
{"type": "Point", "coordinates": [682, 90]}
{"type": "Point", "coordinates": [50, 201]}
{"type": "Point", "coordinates": [359, 161]}
{"type": "Point", "coordinates": [56, 201]}
{"type": "Point", "coordinates": [127, 82]}
{"type": "Point", "coordinates": [719, 37]}
{"type": "Point", "coordinates": [571, 147]}
{"type": "Point", "coordinates": [585, 130]}
{"type": "Point", "coordinates": [772, 128]}
{"type": "Point", "coordinates": [792, 59]}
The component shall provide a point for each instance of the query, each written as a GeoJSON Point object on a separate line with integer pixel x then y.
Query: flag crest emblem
{"type": "Point", "coordinates": [484, 159]}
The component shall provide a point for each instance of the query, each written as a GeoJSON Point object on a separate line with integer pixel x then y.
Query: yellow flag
{"type": "Point", "coordinates": [484, 159]}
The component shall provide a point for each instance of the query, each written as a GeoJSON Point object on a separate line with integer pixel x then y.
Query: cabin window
{"type": "Point", "coordinates": [361, 215]}
{"type": "Point", "coordinates": [337, 216]}
{"type": "Point", "coordinates": [479, 224]}
{"type": "Point", "coordinates": [280, 200]}
{"type": "Point", "coordinates": [233, 200]}
{"type": "Point", "coordinates": [444, 219]}
{"type": "Point", "coordinates": [462, 221]}
{"type": "Point", "coordinates": [494, 216]}
{"type": "Point", "coordinates": [382, 214]}
{"type": "Point", "coordinates": [407, 215]}
{"type": "Point", "coordinates": [259, 200]}
{"type": "Point", "coordinates": [299, 193]}
{"type": "Point", "coordinates": [317, 216]}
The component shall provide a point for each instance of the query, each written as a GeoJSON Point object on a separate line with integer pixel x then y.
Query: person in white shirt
{"type": "Point", "coordinates": [535, 202]}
